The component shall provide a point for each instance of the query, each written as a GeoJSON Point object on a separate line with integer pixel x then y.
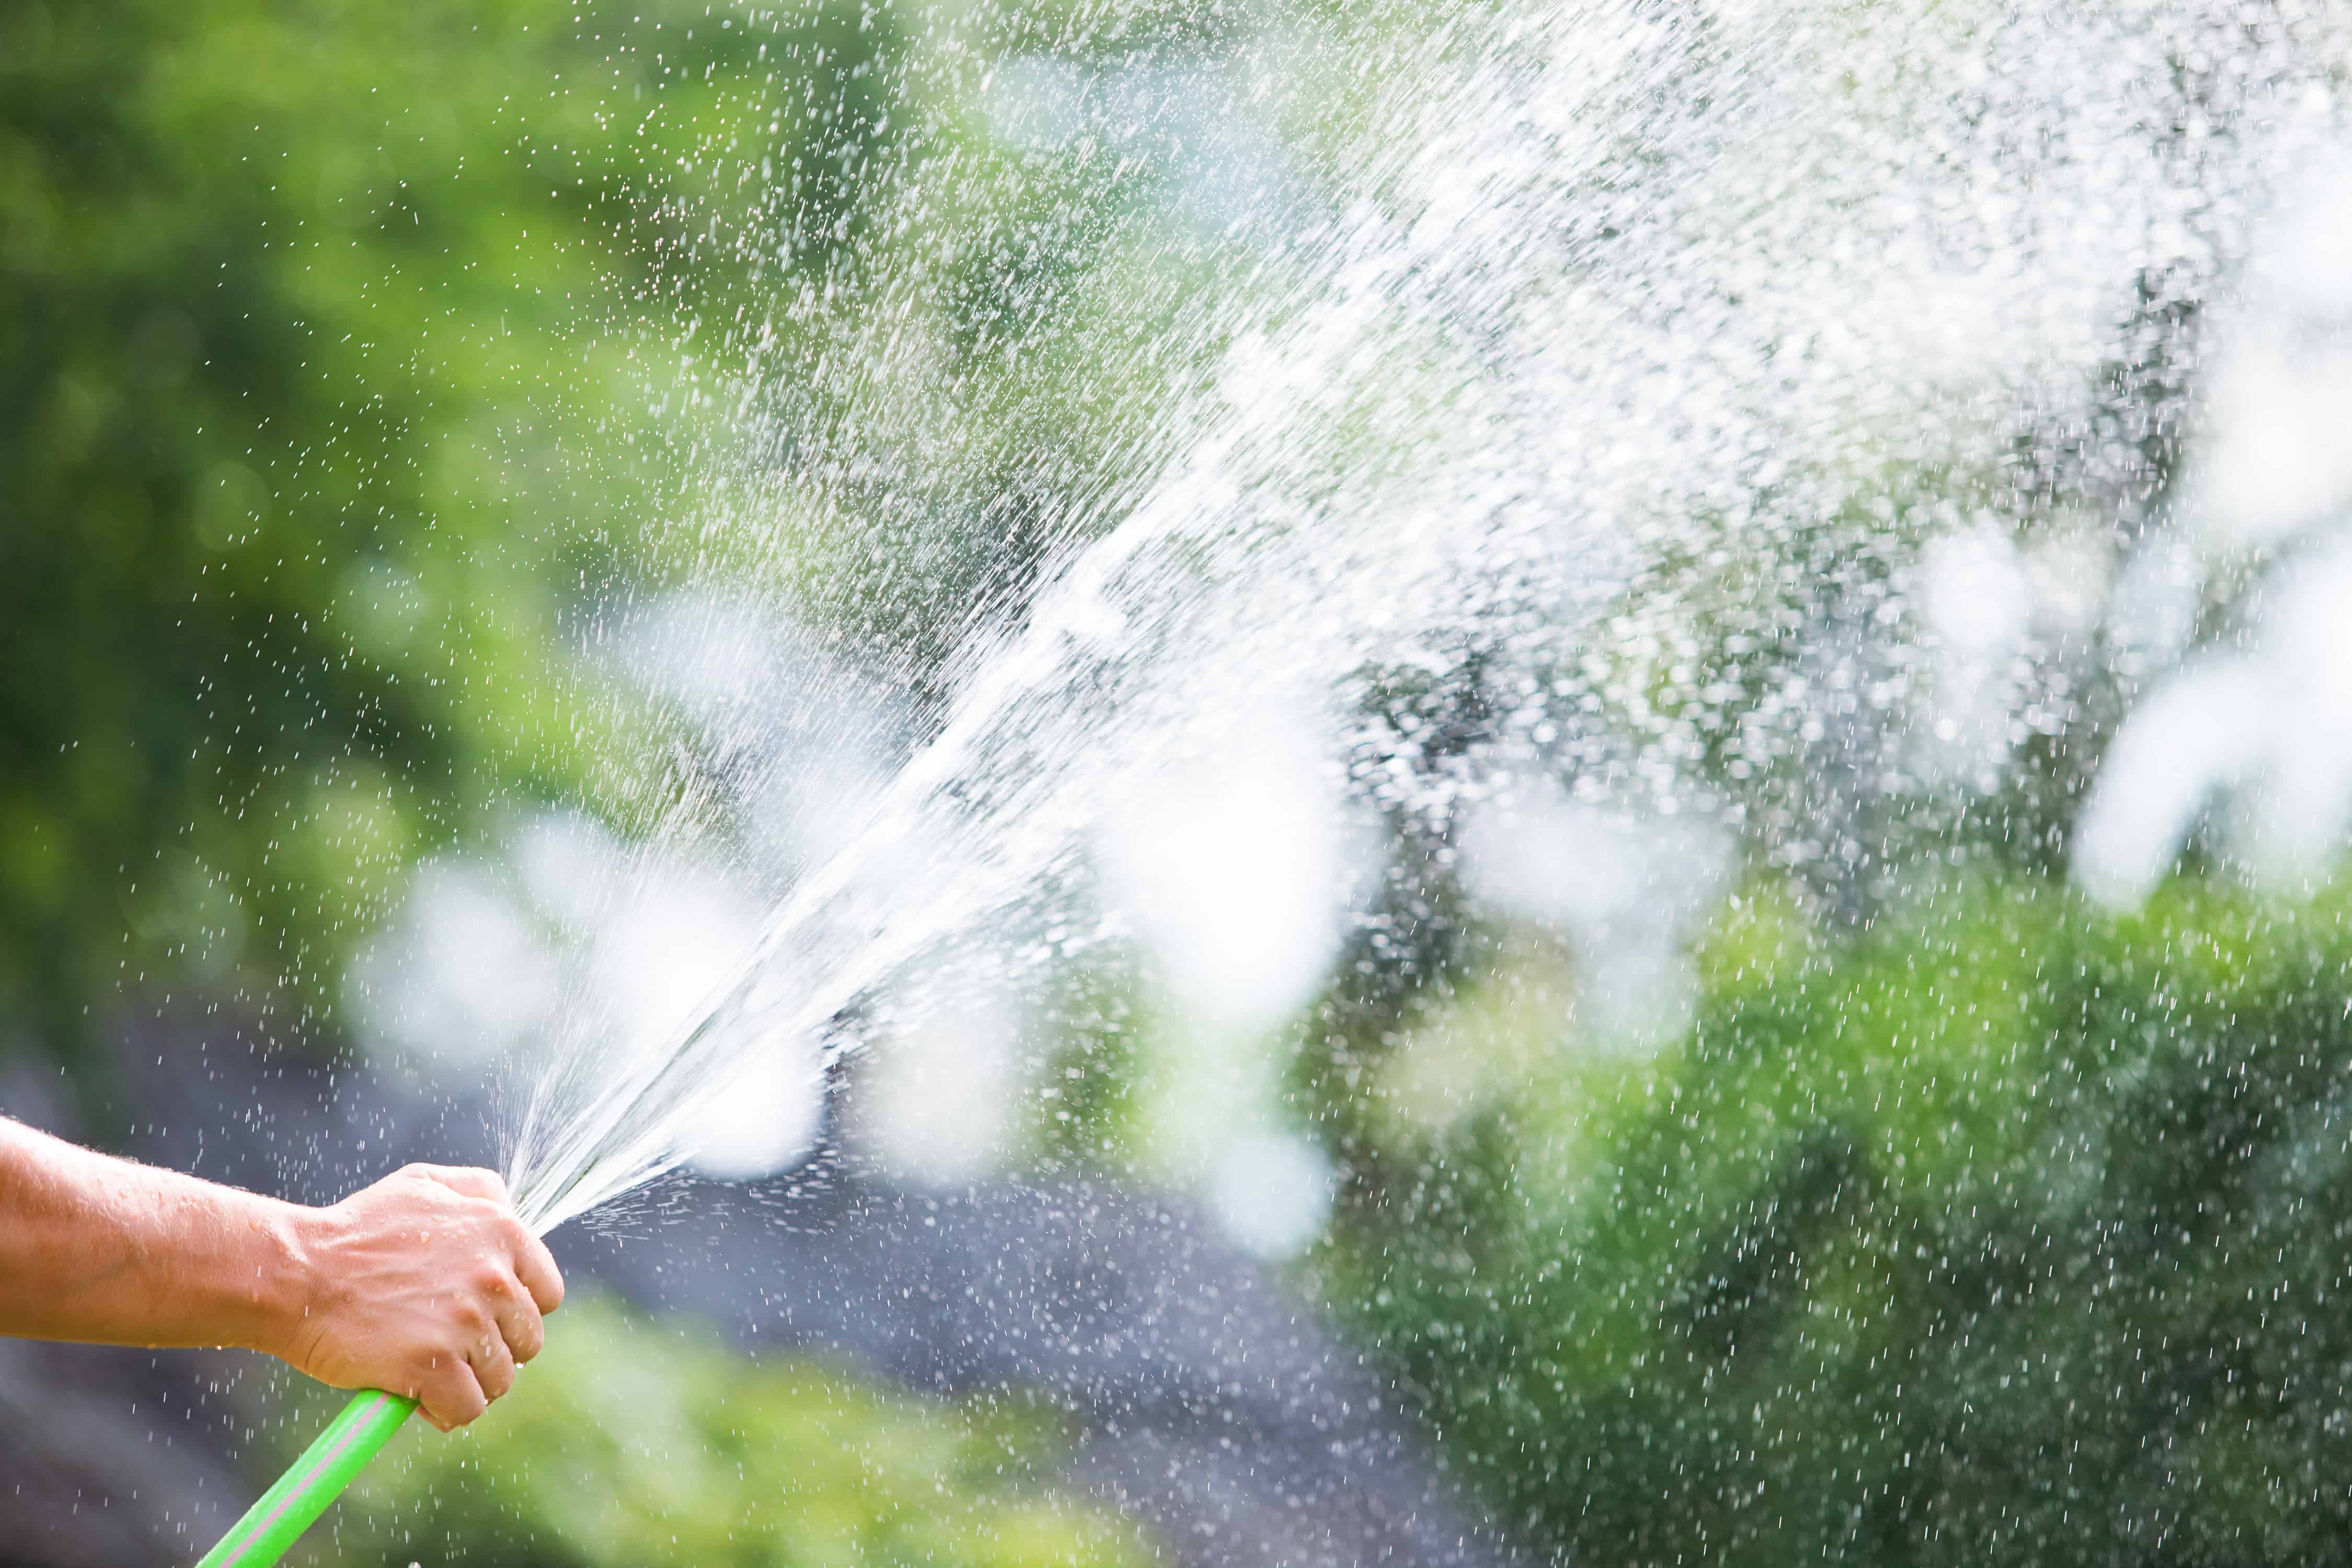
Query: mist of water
{"type": "Point", "coordinates": [1585, 353]}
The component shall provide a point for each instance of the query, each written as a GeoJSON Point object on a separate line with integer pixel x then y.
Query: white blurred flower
{"type": "Point", "coordinates": [1976, 592]}
{"type": "Point", "coordinates": [2202, 731]}
{"type": "Point", "coordinates": [1235, 871]}
{"type": "Point", "coordinates": [2265, 736]}
{"type": "Point", "coordinates": [1272, 1193]}
{"type": "Point", "coordinates": [462, 977]}
{"type": "Point", "coordinates": [938, 1106]}
{"type": "Point", "coordinates": [1623, 890]}
{"type": "Point", "coordinates": [1978, 599]}
{"type": "Point", "coordinates": [767, 1118]}
{"type": "Point", "coordinates": [2275, 459]}
{"type": "Point", "coordinates": [2268, 734]}
{"type": "Point", "coordinates": [571, 867]}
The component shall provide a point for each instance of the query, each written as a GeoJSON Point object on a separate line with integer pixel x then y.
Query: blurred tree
{"type": "Point", "coordinates": [2016, 1230]}
{"type": "Point", "coordinates": [339, 361]}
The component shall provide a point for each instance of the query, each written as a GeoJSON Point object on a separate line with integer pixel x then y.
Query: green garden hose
{"type": "Point", "coordinates": [314, 1480]}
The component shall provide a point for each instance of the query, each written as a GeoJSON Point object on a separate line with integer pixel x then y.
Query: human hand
{"type": "Point", "coordinates": [426, 1285]}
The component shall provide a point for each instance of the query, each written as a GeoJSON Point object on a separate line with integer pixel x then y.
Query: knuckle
{"type": "Point", "coordinates": [461, 1399]}
{"type": "Point", "coordinates": [440, 1401]}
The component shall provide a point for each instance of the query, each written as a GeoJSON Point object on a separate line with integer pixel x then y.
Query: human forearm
{"type": "Point", "coordinates": [425, 1284]}
{"type": "Point", "coordinates": [103, 1250]}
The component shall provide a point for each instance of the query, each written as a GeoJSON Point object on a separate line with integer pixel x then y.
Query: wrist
{"type": "Point", "coordinates": [283, 1274]}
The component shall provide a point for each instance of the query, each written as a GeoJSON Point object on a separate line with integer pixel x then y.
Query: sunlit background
{"type": "Point", "coordinates": [1420, 784]}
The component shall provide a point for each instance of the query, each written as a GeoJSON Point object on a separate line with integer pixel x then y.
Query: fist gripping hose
{"type": "Point", "coordinates": [314, 1480]}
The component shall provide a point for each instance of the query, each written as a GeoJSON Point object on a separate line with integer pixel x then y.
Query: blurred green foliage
{"type": "Point", "coordinates": [357, 361]}
{"type": "Point", "coordinates": [2017, 1228]}
{"type": "Point", "coordinates": [635, 1441]}
{"type": "Point", "coordinates": [341, 373]}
